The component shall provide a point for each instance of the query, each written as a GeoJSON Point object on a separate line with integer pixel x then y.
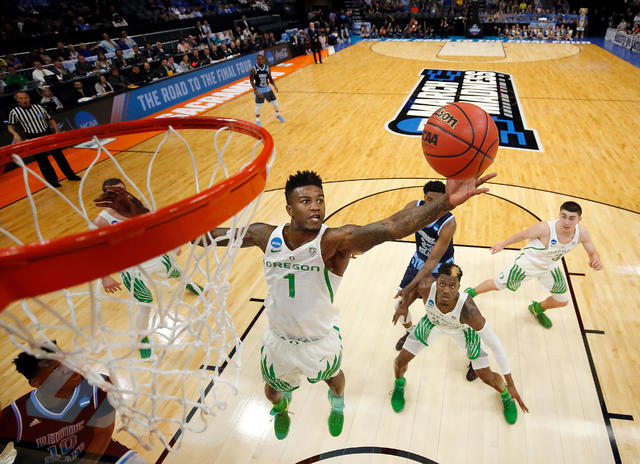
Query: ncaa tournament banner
{"type": "Point", "coordinates": [492, 91]}
{"type": "Point", "coordinates": [158, 96]}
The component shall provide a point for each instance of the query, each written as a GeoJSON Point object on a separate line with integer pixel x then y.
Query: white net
{"type": "Point", "coordinates": [160, 331]}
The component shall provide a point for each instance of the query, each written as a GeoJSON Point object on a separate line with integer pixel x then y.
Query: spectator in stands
{"type": "Point", "coordinates": [173, 65]}
{"type": "Point", "coordinates": [83, 50]}
{"type": "Point", "coordinates": [3, 84]}
{"type": "Point", "coordinates": [232, 49]}
{"type": "Point", "coordinates": [103, 87]}
{"type": "Point", "coordinates": [137, 56]}
{"type": "Point", "coordinates": [185, 63]}
{"type": "Point", "coordinates": [61, 51]}
{"type": "Point", "coordinates": [14, 78]}
{"type": "Point", "coordinates": [206, 59]}
{"type": "Point", "coordinates": [45, 59]}
{"type": "Point", "coordinates": [184, 47]}
{"type": "Point", "coordinates": [60, 71]}
{"type": "Point", "coordinates": [83, 67]}
{"type": "Point", "coordinates": [108, 45]}
{"type": "Point", "coordinates": [80, 25]}
{"type": "Point", "coordinates": [157, 52]}
{"type": "Point", "coordinates": [119, 61]}
{"type": "Point", "coordinates": [146, 72]}
{"type": "Point", "coordinates": [79, 93]}
{"type": "Point", "coordinates": [116, 80]}
{"type": "Point", "coordinates": [224, 51]}
{"type": "Point", "coordinates": [49, 101]}
{"type": "Point", "coordinates": [12, 60]}
{"type": "Point", "coordinates": [164, 70]}
{"type": "Point", "coordinates": [39, 73]}
{"type": "Point", "coordinates": [124, 38]}
{"type": "Point", "coordinates": [135, 78]}
{"type": "Point", "coordinates": [102, 64]}
{"type": "Point", "coordinates": [30, 58]}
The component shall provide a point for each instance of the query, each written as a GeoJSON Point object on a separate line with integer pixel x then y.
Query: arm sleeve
{"type": "Point", "coordinates": [493, 342]}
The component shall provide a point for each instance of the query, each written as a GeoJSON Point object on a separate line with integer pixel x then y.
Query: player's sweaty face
{"type": "Point", "coordinates": [307, 207]}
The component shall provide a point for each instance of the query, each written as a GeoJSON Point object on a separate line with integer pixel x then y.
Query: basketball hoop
{"type": "Point", "coordinates": [50, 287]}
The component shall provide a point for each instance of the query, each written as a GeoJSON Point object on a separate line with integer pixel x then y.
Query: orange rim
{"type": "Point", "coordinates": [40, 268]}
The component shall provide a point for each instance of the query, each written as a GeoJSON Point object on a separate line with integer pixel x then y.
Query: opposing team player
{"type": "Point", "coordinates": [548, 242]}
{"type": "Point", "coordinates": [260, 77]}
{"type": "Point", "coordinates": [434, 247]}
{"type": "Point", "coordinates": [65, 419]}
{"type": "Point", "coordinates": [452, 312]}
{"type": "Point", "coordinates": [303, 265]}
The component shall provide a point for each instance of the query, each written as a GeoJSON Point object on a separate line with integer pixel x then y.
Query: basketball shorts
{"type": "Point", "coordinates": [283, 361]}
{"type": "Point", "coordinates": [414, 266]}
{"type": "Point", "coordinates": [263, 93]}
{"type": "Point", "coordinates": [163, 266]}
{"type": "Point", "coordinates": [521, 269]}
{"type": "Point", "coordinates": [467, 339]}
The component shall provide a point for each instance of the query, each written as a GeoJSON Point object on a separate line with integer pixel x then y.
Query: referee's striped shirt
{"type": "Point", "coordinates": [34, 120]}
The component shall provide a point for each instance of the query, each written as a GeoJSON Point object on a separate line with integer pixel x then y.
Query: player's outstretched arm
{"type": "Point", "coordinates": [409, 220]}
{"type": "Point", "coordinates": [121, 201]}
{"type": "Point", "coordinates": [590, 248]}
{"type": "Point", "coordinates": [528, 234]}
{"type": "Point", "coordinates": [257, 234]}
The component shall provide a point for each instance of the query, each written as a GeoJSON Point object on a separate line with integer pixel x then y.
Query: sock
{"type": "Point", "coordinates": [258, 109]}
{"type": "Point", "coordinates": [276, 106]}
{"type": "Point", "coordinates": [505, 394]}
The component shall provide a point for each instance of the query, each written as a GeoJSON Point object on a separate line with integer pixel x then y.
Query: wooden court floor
{"type": "Point", "coordinates": [579, 379]}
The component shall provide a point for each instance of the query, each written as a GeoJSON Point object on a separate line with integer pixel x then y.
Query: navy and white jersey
{"type": "Point", "coordinates": [261, 75]}
{"type": "Point", "coordinates": [45, 436]}
{"type": "Point", "coordinates": [426, 239]}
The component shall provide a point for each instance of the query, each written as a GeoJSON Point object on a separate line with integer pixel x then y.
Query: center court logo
{"type": "Point", "coordinates": [494, 92]}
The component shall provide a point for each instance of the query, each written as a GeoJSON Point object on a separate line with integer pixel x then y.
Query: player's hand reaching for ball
{"type": "Point", "coordinates": [460, 190]}
{"type": "Point", "coordinates": [121, 201]}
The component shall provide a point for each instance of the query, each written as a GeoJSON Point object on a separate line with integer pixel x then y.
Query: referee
{"type": "Point", "coordinates": [36, 122]}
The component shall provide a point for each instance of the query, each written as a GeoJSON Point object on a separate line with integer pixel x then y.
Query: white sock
{"type": "Point", "coordinates": [142, 317]}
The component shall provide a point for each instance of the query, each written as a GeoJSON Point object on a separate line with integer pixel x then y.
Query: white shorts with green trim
{"type": "Point", "coordinates": [284, 360]}
{"type": "Point", "coordinates": [520, 270]}
{"type": "Point", "coordinates": [426, 334]}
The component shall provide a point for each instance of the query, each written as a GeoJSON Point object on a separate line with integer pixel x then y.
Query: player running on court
{"type": "Point", "coordinates": [434, 247]}
{"type": "Point", "coordinates": [548, 242]}
{"type": "Point", "coordinates": [303, 265]}
{"type": "Point", "coordinates": [260, 77]}
{"type": "Point", "coordinates": [452, 312]}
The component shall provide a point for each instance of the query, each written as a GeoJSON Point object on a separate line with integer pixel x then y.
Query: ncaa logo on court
{"type": "Point", "coordinates": [494, 92]}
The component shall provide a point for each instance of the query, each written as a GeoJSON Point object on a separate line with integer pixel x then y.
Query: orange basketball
{"type": "Point", "coordinates": [460, 140]}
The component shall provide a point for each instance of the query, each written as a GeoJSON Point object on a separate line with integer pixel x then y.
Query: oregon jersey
{"type": "Point", "coordinates": [301, 289]}
{"type": "Point", "coordinates": [449, 322]}
{"type": "Point", "coordinates": [545, 258]}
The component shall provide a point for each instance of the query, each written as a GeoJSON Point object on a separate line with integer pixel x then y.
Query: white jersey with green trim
{"type": "Point", "coordinates": [447, 322]}
{"type": "Point", "coordinates": [546, 258]}
{"type": "Point", "coordinates": [301, 288]}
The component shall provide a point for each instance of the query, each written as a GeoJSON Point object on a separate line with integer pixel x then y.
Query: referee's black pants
{"type": "Point", "coordinates": [317, 48]}
{"type": "Point", "coordinates": [45, 165]}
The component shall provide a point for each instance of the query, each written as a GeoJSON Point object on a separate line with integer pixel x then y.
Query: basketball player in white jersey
{"type": "Point", "coordinates": [164, 265]}
{"type": "Point", "coordinates": [303, 265]}
{"type": "Point", "coordinates": [260, 77]}
{"type": "Point", "coordinates": [452, 312]}
{"type": "Point", "coordinates": [548, 242]}
{"type": "Point", "coordinates": [65, 419]}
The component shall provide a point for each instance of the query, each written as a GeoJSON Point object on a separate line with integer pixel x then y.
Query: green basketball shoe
{"type": "Point", "coordinates": [336, 417]}
{"type": "Point", "coordinates": [145, 352]}
{"type": "Point", "coordinates": [397, 398]}
{"type": "Point", "coordinates": [538, 313]}
{"type": "Point", "coordinates": [282, 420]}
{"type": "Point", "coordinates": [509, 407]}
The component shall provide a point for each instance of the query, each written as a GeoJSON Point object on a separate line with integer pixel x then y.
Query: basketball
{"type": "Point", "coordinates": [460, 140]}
